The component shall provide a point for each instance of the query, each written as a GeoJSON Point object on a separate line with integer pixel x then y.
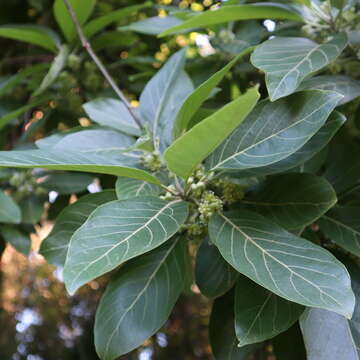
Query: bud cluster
{"type": "Point", "coordinates": [152, 161]}
{"type": "Point", "coordinates": [25, 184]}
{"type": "Point", "coordinates": [209, 204]}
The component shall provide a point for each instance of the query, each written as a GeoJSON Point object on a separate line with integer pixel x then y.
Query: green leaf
{"type": "Point", "coordinates": [214, 276]}
{"type": "Point", "coordinates": [344, 85]}
{"type": "Point", "coordinates": [119, 231]}
{"type": "Point", "coordinates": [32, 209]}
{"type": "Point", "coordinates": [286, 61]}
{"type": "Point", "coordinates": [112, 113]}
{"type": "Point", "coordinates": [293, 200]}
{"type": "Point", "coordinates": [260, 314]}
{"type": "Point", "coordinates": [20, 241]}
{"type": "Point", "coordinates": [101, 141]}
{"type": "Point", "coordinates": [327, 336]}
{"type": "Point", "coordinates": [82, 9]}
{"type": "Point", "coordinates": [153, 25]}
{"type": "Point", "coordinates": [98, 24]}
{"type": "Point", "coordinates": [4, 120]}
{"type": "Point", "coordinates": [56, 67]}
{"type": "Point", "coordinates": [281, 262]}
{"type": "Point", "coordinates": [162, 98]}
{"type": "Point", "coordinates": [194, 146]}
{"type": "Point", "coordinates": [235, 13]}
{"type": "Point", "coordinates": [342, 226]}
{"type": "Point", "coordinates": [33, 34]}
{"type": "Point", "coordinates": [10, 83]}
{"type": "Point", "coordinates": [139, 299]}
{"type": "Point", "coordinates": [222, 335]}
{"type": "Point", "coordinates": [123, 165]}
{"type": "Point", "coordinates": [342, 171]}
{"type": "Point", "coordinates": [55, 246]}
{"type": "Point", "coordinates": [127, 188]}
{"type": "Point", "coordinates": [294, 121]}
{"type": "Point", "coordinates": [316, 144]}
{"type": "Point", "coordinates": [9, 211]}
{"type": "Point", "coordinates": [194, 101]}
{"type": "Point", "coordinates": [67, 183]}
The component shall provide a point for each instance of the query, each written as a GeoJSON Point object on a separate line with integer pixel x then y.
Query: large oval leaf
{"type": "Point", "coordinates": [260, 314]}
{"type": "Point", "coordinates": [55, 246]}
{"type": "Point", "coordinates": [305, 153]}
{"type": "Point", "coordinates": [162, 98]}
{"type": "Point", "coordinates": [214, 276]}
{"type": "Point", "coordinates": [121, 165]}
{"type": "Point", "coordinates": [342, 226]}
{"type": "Point", "coordinates": [194, 146]}
{"type": "Point", "coordinates": [234, 13]}
{"type": "Point", "coordinates": [112, 113]}
{"type": "Point", "coordinates": [293, 200]}
{"type": "Point", "coordinates": [118, 231]}
{"type": "Point", "coordinates": [223, 340]}
{"type": "Point", "coordinates": [274, 131]}
{"type": "Point", "coordinates": [139, 299]}
{"type": "Point", "coordinates": [127, 188]}
{"type": "Point", "coordinates": [283, 263]}
{"type": "Point", "coordinates": [344, 85]}
{"type": "Point", "coordinates": [286, 61]}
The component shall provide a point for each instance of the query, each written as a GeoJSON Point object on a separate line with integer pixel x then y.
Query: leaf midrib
{"type": "Point", "coordinates": [271, 136]}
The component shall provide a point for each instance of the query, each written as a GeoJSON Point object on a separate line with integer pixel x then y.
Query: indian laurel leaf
{"type": "Point", "coordinates": [118, 231]}
{"type": "Point", "coordinates": [342, 226]}
{"type": "Point", "coordinates": [274, 130]}
{"type": "Point", "coordinates": [55, 246]}
{"type": "Point", "coordinates": [127, 188]}
{"type": "Point", "coordinates": [162, 98]}
{"type": "Point", "coordinates": [283, 263]}
{"type": "Point", "coordinates": [194, 146]}
{"type": "Point", "coordinates": [286, 61]}
{"type": "Point", "coordinates": [139, 299]}
{"type": "Point", "coordinates": [293, 200]}
{"type": "Point", "coordinates": [316, 144]}
{"type": "Point", "coordinates": [260, 314]}
{"type": "Point", "coordinates": [123, 164]}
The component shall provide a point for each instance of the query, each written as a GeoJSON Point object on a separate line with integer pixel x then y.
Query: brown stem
{"type": "Point", "coordinates": [87, 46]}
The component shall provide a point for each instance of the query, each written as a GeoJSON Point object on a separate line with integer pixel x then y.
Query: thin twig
{"type": "Point", "coordinates": [86, 44]}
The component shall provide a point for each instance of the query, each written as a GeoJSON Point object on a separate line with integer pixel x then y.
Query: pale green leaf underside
{"type": "Point", "coordinates": [122, 165]}
{"type": "Point", "coordinates": [139, 299]}
{"type": "Point", "coordinates": [283, 263]}
{"type": "Point", "coordinates": [127, 188]}
{"type": "Point", "coordinates": [55, 246]}
{"type": "Point", "coordinates": [327, 336]}
{"type": "Point", "coordinates": [194, 146]}
{"type": "Point", "coordinates": [342, 226]}
{"type": "Point", "coordinates": [293, 200]}
{"type": "Point", "coordinates": [260, 314]}
{"type": "Point", "coordinates": [112, 113]}
{"type": "Point", "coordinates": [118, 231]}
{"type": "Point", "coordinates": [311, 148]}
{"type": "Point", "coordinates": [234, 13]}
{"type": "Point", "coordinates": [286, 61]}
{"type": "Point", "coordinates": [274, 130]}
{"type": "Point", "coordinates": [9, 211]}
